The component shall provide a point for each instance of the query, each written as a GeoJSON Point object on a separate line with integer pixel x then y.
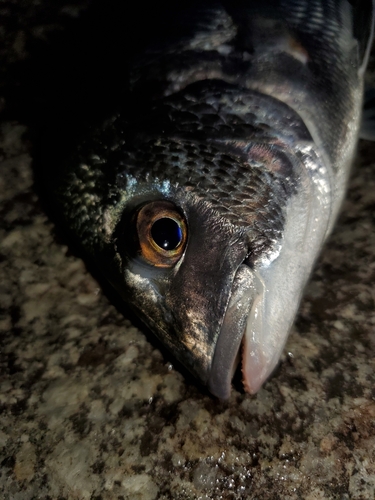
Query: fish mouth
{"type": "Point", "coordinates": [227, 351]}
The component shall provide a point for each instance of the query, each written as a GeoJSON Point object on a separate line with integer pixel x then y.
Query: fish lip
{"type": "Point", "coordinates": [227, 351]}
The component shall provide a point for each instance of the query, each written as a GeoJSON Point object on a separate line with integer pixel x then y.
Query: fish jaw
{"type": "Point", "coordinates": [228, 347]}
{"type": "Point", "coordinates": [280, 283]}
{"type": "Point", "coordinates": [266, 295]}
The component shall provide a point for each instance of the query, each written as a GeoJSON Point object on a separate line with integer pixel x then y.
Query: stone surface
{"type": "Point", "coordinates": [90, 408]}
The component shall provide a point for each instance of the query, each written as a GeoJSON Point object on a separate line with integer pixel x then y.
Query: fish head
{"type": "Point", "coordinates": [210, 242]}
{"type": "Point", "coordinates": [196, 236]}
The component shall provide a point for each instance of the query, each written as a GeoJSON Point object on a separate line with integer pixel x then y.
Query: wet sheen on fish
{"type": "Point", "coordinates": [206, 203]}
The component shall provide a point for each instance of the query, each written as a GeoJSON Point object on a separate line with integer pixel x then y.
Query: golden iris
{"type": "Point", "coordinates": [162, 233]}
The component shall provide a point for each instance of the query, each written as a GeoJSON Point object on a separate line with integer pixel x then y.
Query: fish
{"type": "Point", "coordinates": [205, 199]}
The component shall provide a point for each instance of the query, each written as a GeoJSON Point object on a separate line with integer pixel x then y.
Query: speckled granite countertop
{"type": "Point", "coordinates": [91, 409]}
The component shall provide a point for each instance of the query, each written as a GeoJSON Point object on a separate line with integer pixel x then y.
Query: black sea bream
{"type": "Point", "coordinates": [207, 200]}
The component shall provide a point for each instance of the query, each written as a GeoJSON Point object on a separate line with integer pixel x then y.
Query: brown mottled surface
{"type": "Point", "coordinates": [90, 409]}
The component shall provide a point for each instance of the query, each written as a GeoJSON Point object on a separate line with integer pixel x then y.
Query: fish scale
{"type": "Point", "coordinates": [233, 187]}
{"type": "Point", "coordinates": [240, 129]}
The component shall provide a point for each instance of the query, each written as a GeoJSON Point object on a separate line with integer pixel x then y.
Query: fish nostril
{"type": "Point", "coordinates": [248, 262]}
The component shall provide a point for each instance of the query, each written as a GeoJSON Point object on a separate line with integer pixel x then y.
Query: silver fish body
{"type": "Point", "coordinates": [207, 204]}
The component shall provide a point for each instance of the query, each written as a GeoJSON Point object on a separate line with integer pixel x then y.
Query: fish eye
{"type": "Point", "coordinates": [162, 233]}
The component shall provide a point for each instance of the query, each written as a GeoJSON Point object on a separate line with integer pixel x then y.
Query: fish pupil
{"type": "Point", "coordinates": [166, 233]}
